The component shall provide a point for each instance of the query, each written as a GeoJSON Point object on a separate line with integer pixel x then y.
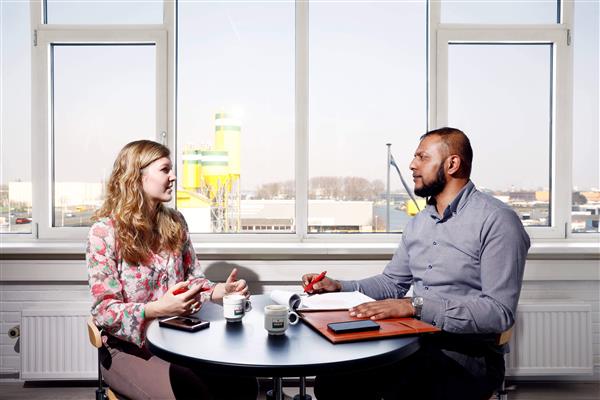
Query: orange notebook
{"type": "Point", "coordinates": [318, 320]}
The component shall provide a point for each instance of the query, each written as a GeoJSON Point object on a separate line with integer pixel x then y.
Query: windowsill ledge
{"type": "Point", "coordinates": [564, 249]}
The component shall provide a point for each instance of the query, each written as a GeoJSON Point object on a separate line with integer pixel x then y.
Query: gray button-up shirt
{"type": "Point", "coordinates": [467, 264]}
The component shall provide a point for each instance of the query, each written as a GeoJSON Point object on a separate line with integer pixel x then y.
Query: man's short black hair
{"type": "Point", "coordinates": [457, 143]}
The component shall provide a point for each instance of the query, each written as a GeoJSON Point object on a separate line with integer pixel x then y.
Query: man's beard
{"type": "Point", "coordinates": [435, 187]}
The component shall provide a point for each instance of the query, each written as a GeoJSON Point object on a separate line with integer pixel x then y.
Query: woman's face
{"type": "Point", "coordinates": [158, 180]}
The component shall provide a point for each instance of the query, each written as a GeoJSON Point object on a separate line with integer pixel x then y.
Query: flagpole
{"type": "Point", "coordinates": [387, 208]}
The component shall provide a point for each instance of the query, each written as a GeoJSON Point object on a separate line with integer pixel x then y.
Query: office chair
{"type": "Point", "coordinates": [96, 341]}
{"type": "Point", "coordinates": [503, 338]}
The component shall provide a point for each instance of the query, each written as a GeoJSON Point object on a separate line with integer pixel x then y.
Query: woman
{"type": "Point", "coordinates": [138, 253]}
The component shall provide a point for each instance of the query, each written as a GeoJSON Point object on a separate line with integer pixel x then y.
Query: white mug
{"type": "Point", "coordinates": [278, 318]}
{"type": "Point", "coordinates": [235, 306]}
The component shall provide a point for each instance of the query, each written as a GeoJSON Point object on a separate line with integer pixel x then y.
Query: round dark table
{"type": "Point", "coordinates": [245, 348]}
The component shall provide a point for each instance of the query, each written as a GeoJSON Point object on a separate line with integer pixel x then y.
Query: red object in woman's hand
{"type": "Point", "coordinates": [185, 289]}
{"type": "Point", "coordinates": [180, 290]}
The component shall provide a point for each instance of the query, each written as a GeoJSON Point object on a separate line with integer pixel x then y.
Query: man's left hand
{"type": "Point", "coordinates": [390, 308]}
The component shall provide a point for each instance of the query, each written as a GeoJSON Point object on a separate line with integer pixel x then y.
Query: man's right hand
{"type": "Point", "coordinates": [326, 285]}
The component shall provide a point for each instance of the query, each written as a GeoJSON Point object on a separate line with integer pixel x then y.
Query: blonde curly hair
{"type": "Point", "coordinates": [140, 231]}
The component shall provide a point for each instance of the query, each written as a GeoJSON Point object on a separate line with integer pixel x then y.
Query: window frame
{"type": "Point", "coordinates": [165, 37]}
{"type": "Point", "coordinates": [45, 36]}
{"type": "Point", "coordinates": [558, 36]}
{"type": "Point", "coordinates": [560, 180]}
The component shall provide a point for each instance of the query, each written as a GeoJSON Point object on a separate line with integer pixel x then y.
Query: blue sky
{"type": "Point", "coordinates": [367, 88]}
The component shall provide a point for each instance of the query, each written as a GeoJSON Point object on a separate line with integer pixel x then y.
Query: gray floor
{"type": "Point", "coordinates": [16, 390]}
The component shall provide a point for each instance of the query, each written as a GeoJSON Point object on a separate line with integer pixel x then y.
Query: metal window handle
{"type": "Point", "coordinates": [163, 138]}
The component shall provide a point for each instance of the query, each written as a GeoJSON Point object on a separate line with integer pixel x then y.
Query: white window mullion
{"type": "Point", "coordinates": [563, 134]}
{"type": "Point", "coordinates": [301, 122]}
{"type": "Point", "coordinates": [564, 124]}
{"type": "Point", "coordinates": [441, 80]}
{"type": "Point", "coordinates": [170, 75]}
{"type": "Point", "coordinates": [170, 25]}
{"type": "Point", "coordinates": [164, 135]}
{"type": "Point", "coordinates": [40, 142]}
{"type": "Point", "coordinates": [433, 14]}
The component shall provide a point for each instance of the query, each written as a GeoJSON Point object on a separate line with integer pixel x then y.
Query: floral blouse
{"type": "Point", "coordinates": [120, 291]}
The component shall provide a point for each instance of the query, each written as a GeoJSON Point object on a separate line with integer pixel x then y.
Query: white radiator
{"type": "Point", "coordinates": [551, 339]}
{"type": "Point", "coordinates": [55, 345]}
{"type": "Point", "coordinates": [548, 339]}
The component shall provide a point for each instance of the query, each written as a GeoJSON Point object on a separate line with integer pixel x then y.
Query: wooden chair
{"type": "Point", "coordinates": [503, 338]}
{"type": "Point", "coordinates": [96, 341]}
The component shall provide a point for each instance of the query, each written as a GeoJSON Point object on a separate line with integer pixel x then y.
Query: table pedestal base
{"type": "Point", "coordinates": [277, 392]}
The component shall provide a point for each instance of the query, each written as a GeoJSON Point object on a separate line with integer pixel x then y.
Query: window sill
{"type": "Point", "coordinates": [565, 249]}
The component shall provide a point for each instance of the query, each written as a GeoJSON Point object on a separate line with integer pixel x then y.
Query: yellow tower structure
{"type": "Point", "coordinates": [192, 168]}
{"type": "Point", "coordinates": [215, 171]}
{"type": "Point", "coordinates": [217, 183]}
{"type": "Point", "coordinates": [228, 138]}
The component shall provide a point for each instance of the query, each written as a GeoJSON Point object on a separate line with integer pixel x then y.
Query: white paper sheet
{"type": "Point", "coordinates": [325, 301]}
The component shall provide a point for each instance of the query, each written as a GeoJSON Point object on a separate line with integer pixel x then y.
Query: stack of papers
{"type": "Point", "coordinates": [319, 302]}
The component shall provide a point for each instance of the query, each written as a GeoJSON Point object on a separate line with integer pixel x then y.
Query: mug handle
{"type": "Point", "coordinates": [247, 306]}
{"type": "Point", "coordinates": [293, 318]}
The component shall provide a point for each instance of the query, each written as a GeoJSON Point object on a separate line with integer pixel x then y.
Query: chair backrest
{"type": "Point", "coordinates": [505, 336]}
{"type": "Point", "coordinates": [94, 333]}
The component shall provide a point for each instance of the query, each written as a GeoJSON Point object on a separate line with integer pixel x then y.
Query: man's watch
{"type": "Point", "coordinates": [417, 303]}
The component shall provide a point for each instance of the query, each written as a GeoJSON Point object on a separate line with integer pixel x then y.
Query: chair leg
{"type": "Point", "coordinates": [100, 393]}
{"type": "Point", "coordinates": [110, 395]}
{"type": "Point", "coordinates": [502, 393]}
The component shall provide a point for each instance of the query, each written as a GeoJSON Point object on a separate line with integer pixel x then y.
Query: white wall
{"type": "Point", "coordinates": [58, 283]}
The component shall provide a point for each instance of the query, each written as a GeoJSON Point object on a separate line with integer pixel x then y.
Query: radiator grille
{"type": "Point", "coordinates": [55, 345]}
{"type": "Point", "coordinates": [551, 339]}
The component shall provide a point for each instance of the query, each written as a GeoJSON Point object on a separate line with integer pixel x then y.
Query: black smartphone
{"type": "Point", "coordinates": [353, 326]}
{"type": "Point", "coordinates": [189, 324]}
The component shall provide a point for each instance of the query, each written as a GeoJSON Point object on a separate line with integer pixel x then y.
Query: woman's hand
{"type": "Point", "coordinates": [175, 304]}
{"type": "Point", "coordinates": [231, 285]}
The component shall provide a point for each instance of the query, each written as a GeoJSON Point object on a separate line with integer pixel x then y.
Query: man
{"type": "Point", "coordinates": [464, 254]}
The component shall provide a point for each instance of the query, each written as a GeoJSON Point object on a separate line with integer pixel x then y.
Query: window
{"type": "Point", "coordinates": [104, 88]}
{"type": "Point", "coordinates": [279, 113]}
{"type": "Point", "coordinates": [500, 96]}
{"type": "Point", "coordinates": [94, 118]}
{"type": "Point", "coordinates": [15, 135]}
{"type": "Point", "coordinates": [585, 210]}
{"type": "Point", "coordinates": [103, 12]}
{"type": "Point", "coordinates": [235, 115]}
{"type": "Point", "coordinates": [367, 77]}
{"type": "Point", "coordinates": [506, 86]}
{"type": "Point", "coordinates": [501, 11]}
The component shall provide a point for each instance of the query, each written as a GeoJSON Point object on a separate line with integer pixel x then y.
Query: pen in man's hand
{"type": "Point", "coordinates": [319, 278]}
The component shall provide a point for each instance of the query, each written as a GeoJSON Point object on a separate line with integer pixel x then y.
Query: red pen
{"type": "Point", "coordinates": [315, 280]}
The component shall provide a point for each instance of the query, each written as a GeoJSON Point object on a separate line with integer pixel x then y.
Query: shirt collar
{"type": "Point", "coordinates": [455, 205]}
{"type": "Point", "coordinates": [462, 197]}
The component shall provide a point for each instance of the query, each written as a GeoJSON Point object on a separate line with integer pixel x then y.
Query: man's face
{"type": "Point", "coordinates": [427, 167]}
